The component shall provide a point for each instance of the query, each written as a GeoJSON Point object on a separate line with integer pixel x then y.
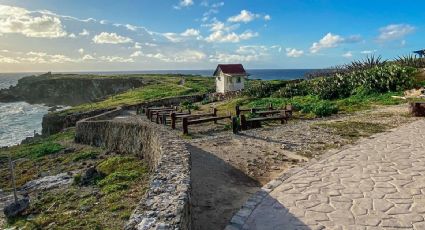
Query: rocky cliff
{"type": "Point", "coordinates": [69, 89]}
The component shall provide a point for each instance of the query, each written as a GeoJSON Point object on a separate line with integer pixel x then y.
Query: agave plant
{"type": "Point", "coordinates": [411, 61]}
{"type": "Point", "coordinates": [367, 63]}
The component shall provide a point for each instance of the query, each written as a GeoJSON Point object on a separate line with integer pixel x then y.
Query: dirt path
{"type": "Point", "coordinates": [219, 190]}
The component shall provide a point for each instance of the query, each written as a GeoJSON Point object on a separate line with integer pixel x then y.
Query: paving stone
{"type": "Point", "coordinates": [377, 184]}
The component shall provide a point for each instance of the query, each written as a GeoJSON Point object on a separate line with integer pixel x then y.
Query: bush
{"type": "Point", "coordinates": [294, 89]}
{"type": "Point", "coordinates": [85, 156]}
{"type": "Point", "coordinates": [314, 105]}
{"type": "Point", "coordinates": [46, 148]}
{"type": "Point", "coordinates": [188, 105]}
{"type": "Point", "coordinates": [259, 89]}
{"type": "Point", "coordinates": [378, 79]}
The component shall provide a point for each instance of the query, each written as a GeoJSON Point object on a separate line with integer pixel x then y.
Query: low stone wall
{"type": "Point", "coordinates": [56, 122]}
{"type": "Point", "coordinates": [166, 204]}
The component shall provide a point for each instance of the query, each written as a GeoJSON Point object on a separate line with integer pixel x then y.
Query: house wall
{"type": "Point", "coordinates": [226, 83]}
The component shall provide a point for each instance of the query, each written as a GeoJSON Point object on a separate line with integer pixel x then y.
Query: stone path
{"type": "Point", "coordinates": [377, 184]}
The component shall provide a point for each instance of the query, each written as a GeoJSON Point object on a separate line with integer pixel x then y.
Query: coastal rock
{"type": "Point", "coordinates": [48, 182]}
{"type": "Point", "coordinates": [16, 208]}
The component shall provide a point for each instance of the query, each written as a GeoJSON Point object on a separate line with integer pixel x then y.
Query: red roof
{"type": "Point", "coordinates": [236, 69]}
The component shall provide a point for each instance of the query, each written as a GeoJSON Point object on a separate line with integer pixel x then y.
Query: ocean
{"type": "Point", "coordinates": [19, 120]}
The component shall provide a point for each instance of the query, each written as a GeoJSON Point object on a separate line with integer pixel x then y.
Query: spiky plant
{"type": "Point", "coordinates": [411, 61]}
{"type": "Point", "coordinates": [367, 63]}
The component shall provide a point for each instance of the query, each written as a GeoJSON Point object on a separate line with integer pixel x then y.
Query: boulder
{"type": "Point", "coordinates": [16, 208]}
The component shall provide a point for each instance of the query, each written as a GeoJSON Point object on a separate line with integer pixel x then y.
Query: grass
{"type": "Point", "coordinates": [353, 130]}
{"type": "Point", "coordinates": [312, 106]}
{"type": "Point", "coordinates": [105, 204]}
{"type": "Point", "coordinates": [162, 88]}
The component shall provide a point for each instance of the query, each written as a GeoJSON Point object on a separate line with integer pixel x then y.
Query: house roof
{"type": "Point", "coordinates": [232, 69]}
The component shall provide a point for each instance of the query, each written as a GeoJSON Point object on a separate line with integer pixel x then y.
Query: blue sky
{"type": "Point", "coordinates": [76, 35]}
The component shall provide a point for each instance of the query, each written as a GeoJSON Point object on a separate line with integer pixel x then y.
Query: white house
{"type": "Point", "coordinates": [230, 77]}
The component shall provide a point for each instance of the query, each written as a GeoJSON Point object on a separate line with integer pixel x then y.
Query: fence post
{"type": "Point", "coordinates": [164, 119]}
{"type": "Point", "coordinates": [243, 122]}
{"type": "Point", "coordinates": [214, 112]}
{"type": "Point", "coordinates": [270, 106]}
{"type": "Point", "coordinates": [12, 175]}
{"type": "Point", "coordinates": [238, 111]}
{"type": "Point", "coordinates": [157, 117]}
{"type": "Point", "coordinates": [185, 124]}
{"type": "Point", "coordinates": [173, 120]}
{"type": "Point", "coordinates": [235, 125]}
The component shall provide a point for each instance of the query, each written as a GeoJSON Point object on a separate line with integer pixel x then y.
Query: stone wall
{"type": "Point", "coordinates": [166, 204]}
{"type": "Point", "coordinates": [56, 122]}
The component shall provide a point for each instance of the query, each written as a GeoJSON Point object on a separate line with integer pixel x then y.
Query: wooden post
{"type": "Point", "coordinates": [253, 110]}
{"type": "Point", "coordinates": [173, 120]}
{"type": "Point", "coordinates": [243, 122]}
{"type": "Point", "coordinates": [12, 175]}
{"type": "Point", "coordinates": [270, 106]}
{"type": "Point", "coordinates": [185, 124]}
{"type": "Point", "coordinates": [235, 125]}
{"type": "Point", "coordinates": [214, 111]}
{"type": "Point", "coordinates": [164, 119]}
{"type": "Point", "coordinates": [157, 118]}
{"type": "Point", "coordinates": [238, 111]}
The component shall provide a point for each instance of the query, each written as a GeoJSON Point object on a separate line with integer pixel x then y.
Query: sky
{"type": "Point", "coordinates": [129, 35]}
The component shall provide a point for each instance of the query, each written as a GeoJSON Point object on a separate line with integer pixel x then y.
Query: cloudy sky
{"type": "Point", "coordinates": [108, 35]}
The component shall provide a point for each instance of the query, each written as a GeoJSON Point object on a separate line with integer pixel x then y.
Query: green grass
{"type": "Point", "coordinates": [312, 106]}
{"type": "Point", "coordinates": [165, 87]}
{"type": "Point", "coordinates": [353, 130]}
{"type": "Point", "coordinates": [105, 204]}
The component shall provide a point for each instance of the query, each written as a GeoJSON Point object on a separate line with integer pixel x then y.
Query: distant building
{"type": "Point", "coordinates": [421, 53]}
{"type": "Point", "coordinates": [230, 77]}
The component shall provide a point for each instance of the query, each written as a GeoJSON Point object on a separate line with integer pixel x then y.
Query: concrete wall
{"type": "Point", "coordinates": [166, 204]}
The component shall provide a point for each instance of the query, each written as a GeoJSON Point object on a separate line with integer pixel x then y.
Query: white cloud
{"type": "Point", "coordinates": [84, 33]}
{"type": "Point", "coordinates": [72, 35]}
{"type": "Point", "coordinates": [222, 37]}
{"type": "Point", "coordinates": [44, 58]}
{"type": "Point", "coordinates": [81, 51]}
{"type": "Point", "coordinates": [232, 58]}
{"type": "Point", "coordinates": [179, 57]}
{"type": "Point", "coordinates": [267, 17]}
{"type": "Point", "coordinates": [21, 21]}
{"type": "Point", "coordinates": [136, 54]}
{"type": "Point", "coordinates": [88, 57]}
{"type": "Point", "coordinates": [190, 33]}
{"type": "Point", "coordinates": [292, 52]}
{"type": "Point", "coordinates": [244, 16]}
{"type": "Point", "coordinates": [332, 40]}
{"type": "Point", "coordinates": [116, 59]}
{"type": "Point", "coordinates": [328, 41]}
{"type": "Point", "coordinates": [394, 32]}
{"type": "Point", "coordinates": [184, 3]}
{"type": "Point", "coordinates": [150, 44]}
{"type": "Point", "coordinates": [368, 51]}
{"type": "Point", "coordinates": [137, 45]}
{"type": "Point", "coordinates": [110, 38]}
{"type": "Point", "coordinates": [8, 60]}
{"type": "Point", "coordinates": [349, 54]}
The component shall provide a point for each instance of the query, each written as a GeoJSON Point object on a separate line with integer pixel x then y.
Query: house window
{"type": "Point", "coordinates": [238, 80]}
{"type": "Point", "coordinates": [219, 78]}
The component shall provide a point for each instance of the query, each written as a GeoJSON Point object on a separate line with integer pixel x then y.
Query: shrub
{"type": "Point", "coordinates": [382, 79]}
{"type": "Point", "coordinates": [188, 105]}
{"type": "Point", "coordinates": [262, 88]}
{"type": "Point", "coordinates": [85, 156]}
{"type": "Point", "coordinates": [411, 61]}
{"type": "Point", "coordinates": [45, 148]}
{"type": "Point", "coordinates": [294, 89]}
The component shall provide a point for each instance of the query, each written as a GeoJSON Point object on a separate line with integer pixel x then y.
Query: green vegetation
{"type": "Point", "coordinates": [353, 130]}
{"type": "Point", "coordinates": [104, 204]}
{"type": "Point", "coordinates": [159, 87]}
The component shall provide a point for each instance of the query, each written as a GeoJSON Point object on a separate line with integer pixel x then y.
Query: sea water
{"type": "Point", "coordinates": [18, 120]}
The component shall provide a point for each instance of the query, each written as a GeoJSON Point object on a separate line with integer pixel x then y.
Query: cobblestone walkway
{"type": "Point", "coordinates": [377, 184]}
